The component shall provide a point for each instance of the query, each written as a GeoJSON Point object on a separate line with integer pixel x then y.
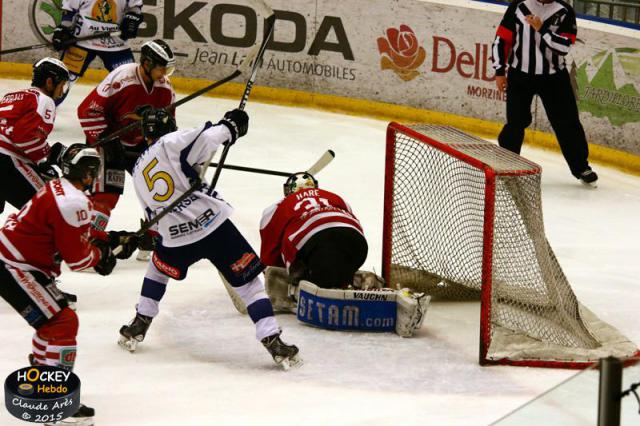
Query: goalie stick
{"type": "Point", "coordinates": [322, 162]}
{"type": "Point", "coordinates": [255, 56]}
{"type": "Point", "coordinates": [69, 43]}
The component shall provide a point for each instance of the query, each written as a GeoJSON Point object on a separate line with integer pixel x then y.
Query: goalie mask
{"type": "Point", "coordinates": [299, 181]}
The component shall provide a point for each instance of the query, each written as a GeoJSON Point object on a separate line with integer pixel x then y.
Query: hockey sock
{"type": "Point", "coordinates": [153, 289]}
{"type": "Point", "coordinates": [258, 307]}
{"type": "Point", "coordinates": [55, 342]}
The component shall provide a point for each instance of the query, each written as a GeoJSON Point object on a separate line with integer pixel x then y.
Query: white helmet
{"type": "Point", "coordinates": [299, 181]}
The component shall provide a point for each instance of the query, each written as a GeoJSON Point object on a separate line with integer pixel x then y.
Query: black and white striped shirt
{"type": "Point", "coordinates": [518, 45]}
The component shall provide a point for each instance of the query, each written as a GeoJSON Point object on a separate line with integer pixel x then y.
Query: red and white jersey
{"type": "Point", "coordinates": [55, 222]}
{"type": "Point", "coordinates": [109, 106]}
{"type": "Point", "coordinates": [287, 225]}
{"type": "Point", "coordinates": [94, 16]}
{"type": "Point", "coordinates": [26, 119]}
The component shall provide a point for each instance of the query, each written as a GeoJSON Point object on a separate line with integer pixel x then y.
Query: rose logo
{"type": "Point", "coordinates": [401, 52]}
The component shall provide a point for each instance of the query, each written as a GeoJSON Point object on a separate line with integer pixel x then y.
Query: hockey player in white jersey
{"type": "Point", "coordinates": [197, 228]}
{"type": "Point", "coordinates": [87, 17]}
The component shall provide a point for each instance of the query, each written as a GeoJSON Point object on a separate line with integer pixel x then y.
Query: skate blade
{"type": "Point", "coordinates": [288, 363]}
{"type": "Point", "coordinates": [590, 185]}
{"type": "Point", "coordinates": [128, 344]}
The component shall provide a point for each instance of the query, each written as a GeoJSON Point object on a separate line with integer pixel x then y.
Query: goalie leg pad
{"type": "Point", "coordinates": [412, 310]}
{"type": "Point", "coordinates": [280, 290]}
{"type": "Point", "coordinates": [402, 311]}
{"type": "Point", "coordinates": [336, 309]}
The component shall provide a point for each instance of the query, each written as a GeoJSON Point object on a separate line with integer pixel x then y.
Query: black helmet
{"type": "Point", "coordinates": [49, 68]}
{"type": "Point", "coordinates": [80, 160]}
{"type": "Point", "coordinates": [298, 181]}
{"type": "Point", "coordinates": [157, 123]}
{"type": "Point", "coordinates": [159, 54]}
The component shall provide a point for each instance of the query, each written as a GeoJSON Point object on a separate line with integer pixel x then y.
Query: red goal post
{"type": "Point", "coordinates": [463, 221]}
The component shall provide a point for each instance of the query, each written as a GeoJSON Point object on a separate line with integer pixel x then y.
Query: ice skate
{"type": "Point", "coordinates": [589, 178]}
{"type": "Point", "coordinates": [83, 417]}
{"type": "Point", "coordinates": [286, 356]}
{"type": "Point", "coordinates": [132, 334]}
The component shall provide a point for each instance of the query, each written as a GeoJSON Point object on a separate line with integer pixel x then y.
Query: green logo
{"type": "Point", "coordinates": [44, 16]}
{"type": "Point", "coordinates": [608, 84]}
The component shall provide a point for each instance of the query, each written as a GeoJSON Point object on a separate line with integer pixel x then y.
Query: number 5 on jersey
{"type": "Point", "coordinates": [151, 180]}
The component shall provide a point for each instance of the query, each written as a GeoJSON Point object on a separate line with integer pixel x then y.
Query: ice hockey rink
{"type": "Point", "coordinates": [200, 363]}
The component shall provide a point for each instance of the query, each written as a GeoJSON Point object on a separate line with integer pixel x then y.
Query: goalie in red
{"type": "Point", "coordinates": [314, 234]}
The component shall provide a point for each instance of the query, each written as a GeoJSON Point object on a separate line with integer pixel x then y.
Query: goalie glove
{"type": "Point", "coordinates": [237, 121]}
{"type": "Point", "coordinates": [130, 24]}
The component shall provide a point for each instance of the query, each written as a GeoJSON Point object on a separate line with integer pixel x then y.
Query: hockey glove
{"type": "Point", "coordinates": [56, 153]}
{"type": "Point", "coordinates": [107, 259]}
{"type": "Point", "coordinates": [237, 121]}
{"type": "Point", "coordinates": [114, 155]}
{"type": "Point", "coordinates": [46, 171]}
{"type": "Point", "coordinates": [129, 25]}
{"type": "Point", "coordinates": [128, 241]}
{"type": "Point", "coordinates": [148, 240]}
{"type": "Point", "coordinates": [62, 37]}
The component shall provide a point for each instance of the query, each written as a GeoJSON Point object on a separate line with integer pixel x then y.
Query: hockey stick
{"type": "Point", "coordinates": [254, 56]}
{"type": "Point", "coordinates": [247, 90]}
{"type": "Point", "coordinates": [319, 165]}
{"type": "Point", "coordinates": [66, 44]}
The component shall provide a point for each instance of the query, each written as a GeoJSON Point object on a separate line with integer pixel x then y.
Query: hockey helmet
{"type": "Point", "coordinates": [157, 123]}
{"type": "Point", "coordinates": [49, 68]}
{"type": "Point", "coordinates": [299, 181]}
{"type": "Point", "coordinates": [159, 54]}
{"type": "Point", "coordinates": [80, 160]}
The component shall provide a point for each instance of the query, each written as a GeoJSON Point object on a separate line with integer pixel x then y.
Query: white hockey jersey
{"type": "Point", "coordinates": [167, 169]}
{"type": "Point", "coordinates": [94, 16]}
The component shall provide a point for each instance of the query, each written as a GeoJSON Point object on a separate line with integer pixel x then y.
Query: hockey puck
{"type": "Point", "coordinates": [42, 394]}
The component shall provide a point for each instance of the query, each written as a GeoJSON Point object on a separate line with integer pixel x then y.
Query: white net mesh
{"type": "Point", "coordinates": [455, 232]}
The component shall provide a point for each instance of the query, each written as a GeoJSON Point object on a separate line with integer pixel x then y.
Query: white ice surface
{"type": "Point", "coordinates": [201, 364]}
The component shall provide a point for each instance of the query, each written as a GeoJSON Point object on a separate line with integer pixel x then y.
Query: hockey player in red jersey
{"type": "Point", "coordinates": [117, 102]}
{"type": "Point", "coordinates": [26, 119]}
{"type": "Point", "coordinates": [53, 226]}
{"type": "Point", "coordinates": [314, 234]}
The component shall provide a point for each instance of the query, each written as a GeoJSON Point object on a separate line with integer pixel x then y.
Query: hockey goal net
{"type": "Point", "coordinates": [462, 221]}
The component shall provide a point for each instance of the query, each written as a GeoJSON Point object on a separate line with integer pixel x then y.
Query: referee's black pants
{"type": "Point", "coordinates": [559, 102]}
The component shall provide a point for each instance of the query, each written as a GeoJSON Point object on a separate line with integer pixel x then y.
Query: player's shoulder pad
{"type": "Point", "coordinates": [268, 213]}
{"type": "Point", "coordinates": [45, 106]}
{"type": "Point", "coordinates": [73, 205]}
{"type": "Point", "coordinates": [121, 77]}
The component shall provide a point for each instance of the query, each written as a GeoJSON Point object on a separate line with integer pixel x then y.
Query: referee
{"type": "Point", "coordinates": [528, 57]}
